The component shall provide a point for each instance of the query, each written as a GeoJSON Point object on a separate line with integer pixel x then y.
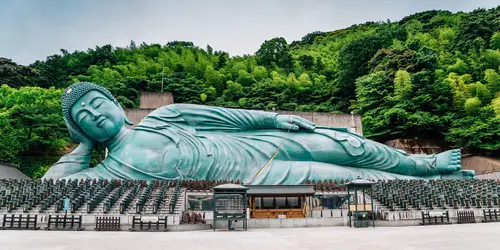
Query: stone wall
{"type": "Point", "coordinates": [487, 167]}
{"type": "Point", "coordinates": [416, 146]}
{"type": "Point", "coordinates": [136, 115]}
{"type": "Point", "coordinates": [152, 100]}
{"type": "Point", "coordinates": [351, 122]}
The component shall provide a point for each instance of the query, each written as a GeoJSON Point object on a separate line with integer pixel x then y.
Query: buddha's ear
{"type": "Point", "coordinates": [127, 121]}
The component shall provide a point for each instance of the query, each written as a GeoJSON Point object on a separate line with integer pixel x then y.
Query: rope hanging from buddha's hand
{"type": "Point", "coordinates": [275, 153]}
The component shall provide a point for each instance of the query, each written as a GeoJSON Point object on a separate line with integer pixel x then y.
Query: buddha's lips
{"type": "Point", "coordinates": [101, 121]}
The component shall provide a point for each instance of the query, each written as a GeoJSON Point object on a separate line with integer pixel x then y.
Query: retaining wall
{"type": "Point", "coordinates": [351, 122]}
{"type": "Point", "coordinates": [153, 100]}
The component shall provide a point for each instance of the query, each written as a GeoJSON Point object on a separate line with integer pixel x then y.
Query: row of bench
{"type": "Point", "coordinates": [74, 223]}
{"type": "Point", "coordinates": [463, 217]}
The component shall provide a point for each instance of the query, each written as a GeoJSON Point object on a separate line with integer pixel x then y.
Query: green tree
{"type": "Point", "coordinates": [495, 41]}
{"type": "Point", "coordinates": [472, 105]}
{"type": "Point", "coordinates": [402, 84]}
{"type": "Point", "coordinates": [214, 78]}
{"type": "Point", "coordinates": [275, 52]}
{"type": "Point", "coordinates": [31, 124]}
{"type": "Point", "coordinates": [492, 78]}
{"type": "Point", "coordinates": [259, 73]}
{"type": "Point", "coordinates": [306, 61]}
{"type": "Point", "coordinates": [353, 62]}
{"type": "Point", "coordinates": [15, 75]}
{"type": "Point", "coordinates": [373, 99]}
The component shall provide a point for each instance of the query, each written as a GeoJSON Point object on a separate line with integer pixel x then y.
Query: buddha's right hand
{"type": "Point", "coordinates": [293, 123]}
{"type": "Point", "coordinates": [85, 142]}
{"type": "Point", "coordinates": [75, 161]}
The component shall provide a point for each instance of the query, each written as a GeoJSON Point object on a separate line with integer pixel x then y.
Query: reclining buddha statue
{"type": "Point", "coordinates": [196, 142]}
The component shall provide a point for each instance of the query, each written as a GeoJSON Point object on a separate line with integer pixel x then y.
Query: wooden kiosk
{"type": "Point", "coordinates": [230, 204]}
{"type": "Point", "coordinates": [359, 211]}
{"type": "Point", "coordinates": [279, 201]}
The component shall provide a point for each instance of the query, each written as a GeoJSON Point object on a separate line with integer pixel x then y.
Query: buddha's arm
{"type": "Point", "coordinates": [293, 172]}
{"type": "Point", "coordinates": [71, 163]}
{"type": "Point", "coordinates": [216, 118]}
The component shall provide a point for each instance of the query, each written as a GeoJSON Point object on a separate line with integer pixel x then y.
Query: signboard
{"type": "Point", "coordinates": [230, 203]}
{"type": "Point", "coordinates": [281, 216]}
{"type": "Point", "coordinates": [66, 204]}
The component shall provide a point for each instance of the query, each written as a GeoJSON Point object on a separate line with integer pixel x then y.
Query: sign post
{"type": "Point", "coordinates": [66, 205]}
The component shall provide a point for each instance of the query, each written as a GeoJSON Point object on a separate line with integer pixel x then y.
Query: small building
{"type": "Point", "coordinates": [279, 201]}
{"type": "Point", "coordinates": [360, 211]}
{"type": "Point", "coordinates": [230, 204]}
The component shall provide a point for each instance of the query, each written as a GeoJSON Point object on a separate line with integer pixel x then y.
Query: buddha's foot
{"type": "Point", "coordinates": [449, 161]}
{"type": "Point", "coordinates": [462, 175]}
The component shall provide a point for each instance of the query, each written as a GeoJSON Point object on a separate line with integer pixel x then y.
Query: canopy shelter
{"type": "Point", "coordinates": [230, 204]}
{"type": "Point", "coordinates": [279, 201]}
{"type": "Point", "coordinates": [360, 210]}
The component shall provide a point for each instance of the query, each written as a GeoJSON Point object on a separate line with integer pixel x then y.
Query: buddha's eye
{"type": "Point", "coordinates": [97, 103]}
{"type": "Point", "coordinates": [82, 117]}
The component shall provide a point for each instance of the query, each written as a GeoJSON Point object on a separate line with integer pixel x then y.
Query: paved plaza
{"type": "Point", "coordinates": [472, 236]}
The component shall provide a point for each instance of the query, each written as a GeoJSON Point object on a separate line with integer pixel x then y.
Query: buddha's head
{"type": "Point", "coordinates": [91, 112]}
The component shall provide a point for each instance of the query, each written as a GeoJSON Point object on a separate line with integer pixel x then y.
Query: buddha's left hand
{"type": "Point", "coordinates": [293, 123]}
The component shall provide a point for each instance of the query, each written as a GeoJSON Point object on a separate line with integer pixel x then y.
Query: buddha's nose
{"type": "Point", "coordinates": [95, 115]}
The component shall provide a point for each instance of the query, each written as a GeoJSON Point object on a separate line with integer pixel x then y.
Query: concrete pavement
{"type": "Point", "coordinates": [471, 236]}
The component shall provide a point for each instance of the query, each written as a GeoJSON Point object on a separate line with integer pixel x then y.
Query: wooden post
{"type": "Point", "coordinates": [373, 211]}
{"type": "Point", "coordinates": [349, 205]}
{"type": "Point", "coordinates": [50, 220]}
{"type": "Point", "coordinates": [215, 213]}
{"type": "Point", "coordinates": [27, 220]}
{"type": "Point", "coordinates": [356, 204]}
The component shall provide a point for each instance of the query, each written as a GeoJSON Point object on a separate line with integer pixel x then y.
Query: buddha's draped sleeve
{"type": "Point", "coordinates": [71, 163]}
{"type": "Point", "coordinates": [207, 118]}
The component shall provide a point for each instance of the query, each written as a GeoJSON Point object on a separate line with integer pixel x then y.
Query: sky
{"type": "Point", "coordinates": [31, 30]}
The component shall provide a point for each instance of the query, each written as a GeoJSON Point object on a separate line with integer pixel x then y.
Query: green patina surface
{"type": "Point", "coordinates": [185, 141]}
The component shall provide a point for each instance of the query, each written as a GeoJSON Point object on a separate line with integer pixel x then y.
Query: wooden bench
{"type": "Point", "coordinates": [107, 224]}
{"type": "Point", "coordinates": [466, 217]}
{"type": "Point", "coordinates": [149, 225]}
{"type": "Point", "coordinates": [491, 215]}
{"type": "Point", "coordinates": [435, 218]}
{"type": "Point", "coordinates": [65, 223]}
{"type": "Point", "coordinates": [19, 222]}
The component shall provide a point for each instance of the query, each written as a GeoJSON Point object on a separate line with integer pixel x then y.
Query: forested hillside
{"type": "Point", "coordinates": [432, 75]}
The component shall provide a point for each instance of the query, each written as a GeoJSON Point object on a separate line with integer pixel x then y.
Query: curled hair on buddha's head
{"type": "Point", "coordinates": [71, 95]}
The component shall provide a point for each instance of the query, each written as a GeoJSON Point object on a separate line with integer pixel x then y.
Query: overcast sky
{"type": "Point", "coordinates": [32, 30]}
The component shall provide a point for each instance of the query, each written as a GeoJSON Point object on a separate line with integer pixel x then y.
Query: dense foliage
{"type": "Point", "coordinates": [432, 75]}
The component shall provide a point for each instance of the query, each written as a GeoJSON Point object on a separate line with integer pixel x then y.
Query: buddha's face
{"type": "Point", "coordinates": [99, 117]}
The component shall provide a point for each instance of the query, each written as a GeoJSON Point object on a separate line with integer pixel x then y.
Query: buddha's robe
{"type": "Point", "coordinates": [183, 141]}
